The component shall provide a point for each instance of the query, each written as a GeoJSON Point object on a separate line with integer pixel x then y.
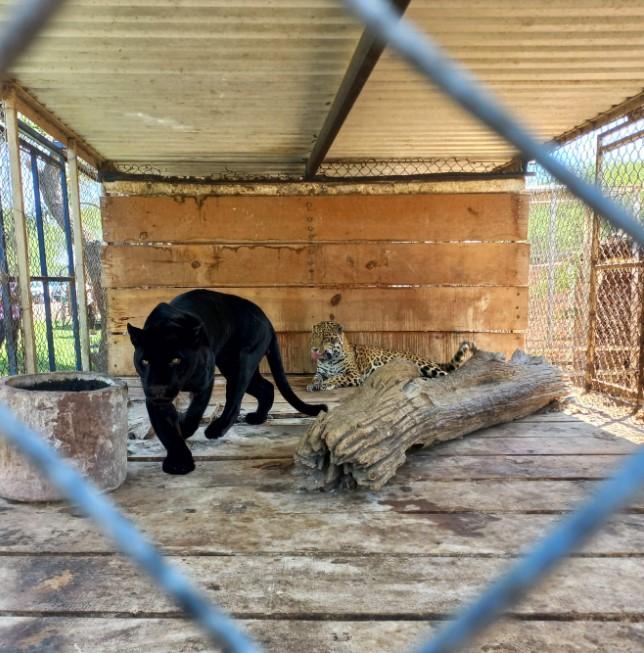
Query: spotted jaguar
{"type": "Point", "coordinates": [341, 364]}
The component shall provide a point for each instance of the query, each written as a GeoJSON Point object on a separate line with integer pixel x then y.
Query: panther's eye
{"type": "Point", "coordinates": [145, 362]}
{"type": "Point", "coordinates": [175, 361]}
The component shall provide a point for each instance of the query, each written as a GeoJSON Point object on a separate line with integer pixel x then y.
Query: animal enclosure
{"type": "Point", "coordinates": [281, 151]}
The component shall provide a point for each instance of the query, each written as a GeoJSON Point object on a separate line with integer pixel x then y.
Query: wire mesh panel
{"type": "Point", "coordinates": [90, 200]}
{"type": "Point", "coordinates": [11, 352]}
{"type": "Point", "coordinates": [587, 277]}
{"type": "Point", "coordinates": [51, 263]}
{"type": "Point", "coordinates": [617, 267]}
{"type": "Point", "coordinates": [359, 168]}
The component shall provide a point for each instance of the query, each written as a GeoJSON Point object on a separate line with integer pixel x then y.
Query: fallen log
{"type": "Point", "coordinates": [365, 439]}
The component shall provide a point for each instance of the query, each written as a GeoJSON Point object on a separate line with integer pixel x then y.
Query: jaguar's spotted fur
{"type": "Point", "coordinates": [341, 364]}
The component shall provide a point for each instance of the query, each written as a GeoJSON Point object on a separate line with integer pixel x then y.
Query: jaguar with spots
{"type": "Point", "coordinates": [341, 364]}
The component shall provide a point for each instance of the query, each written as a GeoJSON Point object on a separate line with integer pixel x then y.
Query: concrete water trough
{"type": "Point", "coordinates": [82, 415]}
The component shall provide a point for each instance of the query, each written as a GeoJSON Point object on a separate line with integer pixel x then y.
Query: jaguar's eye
{"type": "Point", "coordinates": [175, 361]}
{"type": "Point", "coordinates": [145, 362]}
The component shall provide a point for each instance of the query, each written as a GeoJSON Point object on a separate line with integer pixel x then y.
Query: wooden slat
{"type": "Point", "coordinates": [40, 530]}
{"type": "Point", "coordinates": [464, 309]}
{"type": "Point", "coordinates": [435, 345]}
{"type": "Point", "coordinates": [295, 346]}
{"type": "Point", "coordinates": [389, 586]}
{"type": "Point", "coordinates": [439, 217]}
{"type": "Point", "coordinates": [430, 321]}
{"type": "Point", "coordinates": [364, 264]}
{"type": "Point", "coordinates": [279, 438]}
{"type": "Point", "coordinates": [115, 635]}
{"type": "Point", "coordinates": [265, 496]}
{"type": "Point", "coordinates": [276, 473]}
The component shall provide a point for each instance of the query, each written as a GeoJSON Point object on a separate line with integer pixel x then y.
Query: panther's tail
{"type": "Point", "coordinates": [277, 368]}
{"type": "Point", "coordinates": [459, 357]}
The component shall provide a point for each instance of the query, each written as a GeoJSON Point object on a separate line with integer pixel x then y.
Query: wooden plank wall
{"type": "Point", "coordinates": [419, 272]}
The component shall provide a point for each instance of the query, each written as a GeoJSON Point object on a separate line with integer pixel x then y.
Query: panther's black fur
{"type": "Point", "coordinates": [177, 350]}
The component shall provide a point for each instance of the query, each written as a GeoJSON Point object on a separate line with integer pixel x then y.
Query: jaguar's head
{"type": "Point", "coordinates": [328, 342]}
{"type": "Point", "coordinates": [167, 351]}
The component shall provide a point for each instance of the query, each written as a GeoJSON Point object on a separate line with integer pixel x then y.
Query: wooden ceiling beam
{"type": "Point", "coordinates": [360, 67]}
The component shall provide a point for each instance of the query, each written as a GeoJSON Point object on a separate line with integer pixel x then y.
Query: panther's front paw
{"type": "Point", "coordinates": [178, 466]}
{"type": "Point", "coordinates": [216, 429]}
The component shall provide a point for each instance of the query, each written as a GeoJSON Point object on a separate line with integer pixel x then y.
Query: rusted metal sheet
{"type": "Point", "coordinates": [83, 416]}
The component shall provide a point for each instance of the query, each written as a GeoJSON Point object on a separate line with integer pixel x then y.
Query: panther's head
{"type": "Point", "coordinates": [167, 351]}
{"type": "Point", "coordinates": [328, 341]}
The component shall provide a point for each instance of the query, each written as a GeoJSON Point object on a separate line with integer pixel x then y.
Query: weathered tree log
{"type": "Point", "coordinates": [364, 440]}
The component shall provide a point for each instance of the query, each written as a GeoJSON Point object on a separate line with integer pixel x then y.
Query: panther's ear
{"type": "Point", "coordinates": [193, 331]}
{"type": "Point", "coordinates": [199, 334]}
{"type": "Point", "coordinates": [136, 334]}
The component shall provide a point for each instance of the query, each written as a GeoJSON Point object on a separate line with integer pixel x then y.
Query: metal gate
{"type": "Point", "coordinates": [50, 260]}
{"type": "Point", "coordinates": [615, 356]}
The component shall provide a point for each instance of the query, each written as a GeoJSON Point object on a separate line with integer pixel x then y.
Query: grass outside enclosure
{"type": "Point", "coordinates": [63, 344]}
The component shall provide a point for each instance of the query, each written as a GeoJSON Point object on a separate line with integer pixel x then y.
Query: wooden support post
{"type": "Point", "coordinates": [79, 253]}
{"type": "Point", "coordinates": [20, 233]}
{"type": "Point", "coordinates": [593, 286]}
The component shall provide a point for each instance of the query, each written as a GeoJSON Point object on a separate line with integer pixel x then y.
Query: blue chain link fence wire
{"type": "Point", "coordinates": [568, 536]}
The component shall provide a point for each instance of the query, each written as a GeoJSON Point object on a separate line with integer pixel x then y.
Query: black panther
{"type": "Point", "coordinates": [177, 350]}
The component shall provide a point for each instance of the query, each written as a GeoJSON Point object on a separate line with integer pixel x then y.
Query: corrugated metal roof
{"type": "Point", "coordinates": [191, 87]}
{"type": "Point", "coordinates": [554, 64]}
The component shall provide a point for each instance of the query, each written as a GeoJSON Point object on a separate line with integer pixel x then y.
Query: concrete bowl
{"type": "Point", "coordinates": [82, 415]}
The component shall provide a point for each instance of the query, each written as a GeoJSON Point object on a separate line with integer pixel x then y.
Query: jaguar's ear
{"type": "Point", "coordinates": [136, 335]}
{"type": "Point", "coordinates": [340, 328]}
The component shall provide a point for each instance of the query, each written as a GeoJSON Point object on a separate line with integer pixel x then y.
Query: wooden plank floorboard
{"type": "Point", "coordinates": [196, 529]}
{"type": "Point", "coordinates": [279, 440]}
{"type": "Point", "coordinates": [334, 572]}
{"type": "Point", "coordinates": [283, 585]}
{"type": "Point", "coordinates": [135, 635]}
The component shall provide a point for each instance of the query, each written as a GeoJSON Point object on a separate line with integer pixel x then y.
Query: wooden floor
{"type": "Point", "coordinates": [311, 572]}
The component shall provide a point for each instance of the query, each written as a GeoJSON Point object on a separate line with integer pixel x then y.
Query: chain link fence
{"type": "Point", "coordinates": [586, 277]}
{"type": "Point", "coordinates": [11, 345]}
{"type": "Point", "coordinates": [50, 257]}
{"type": "Point", "coordinates": [92, 224]}
{"type": "Point", "coordinates": [413, 167]}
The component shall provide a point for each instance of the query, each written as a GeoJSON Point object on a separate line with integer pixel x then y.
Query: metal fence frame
{"type": "Point", "coordinates": [37, 147]}
{"type": "Point", "coordinates": [60, 188]}
{"type": "Point", "coordinates": [586, 285]}
{"type": "Point", "coordinates": [381, 18]}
